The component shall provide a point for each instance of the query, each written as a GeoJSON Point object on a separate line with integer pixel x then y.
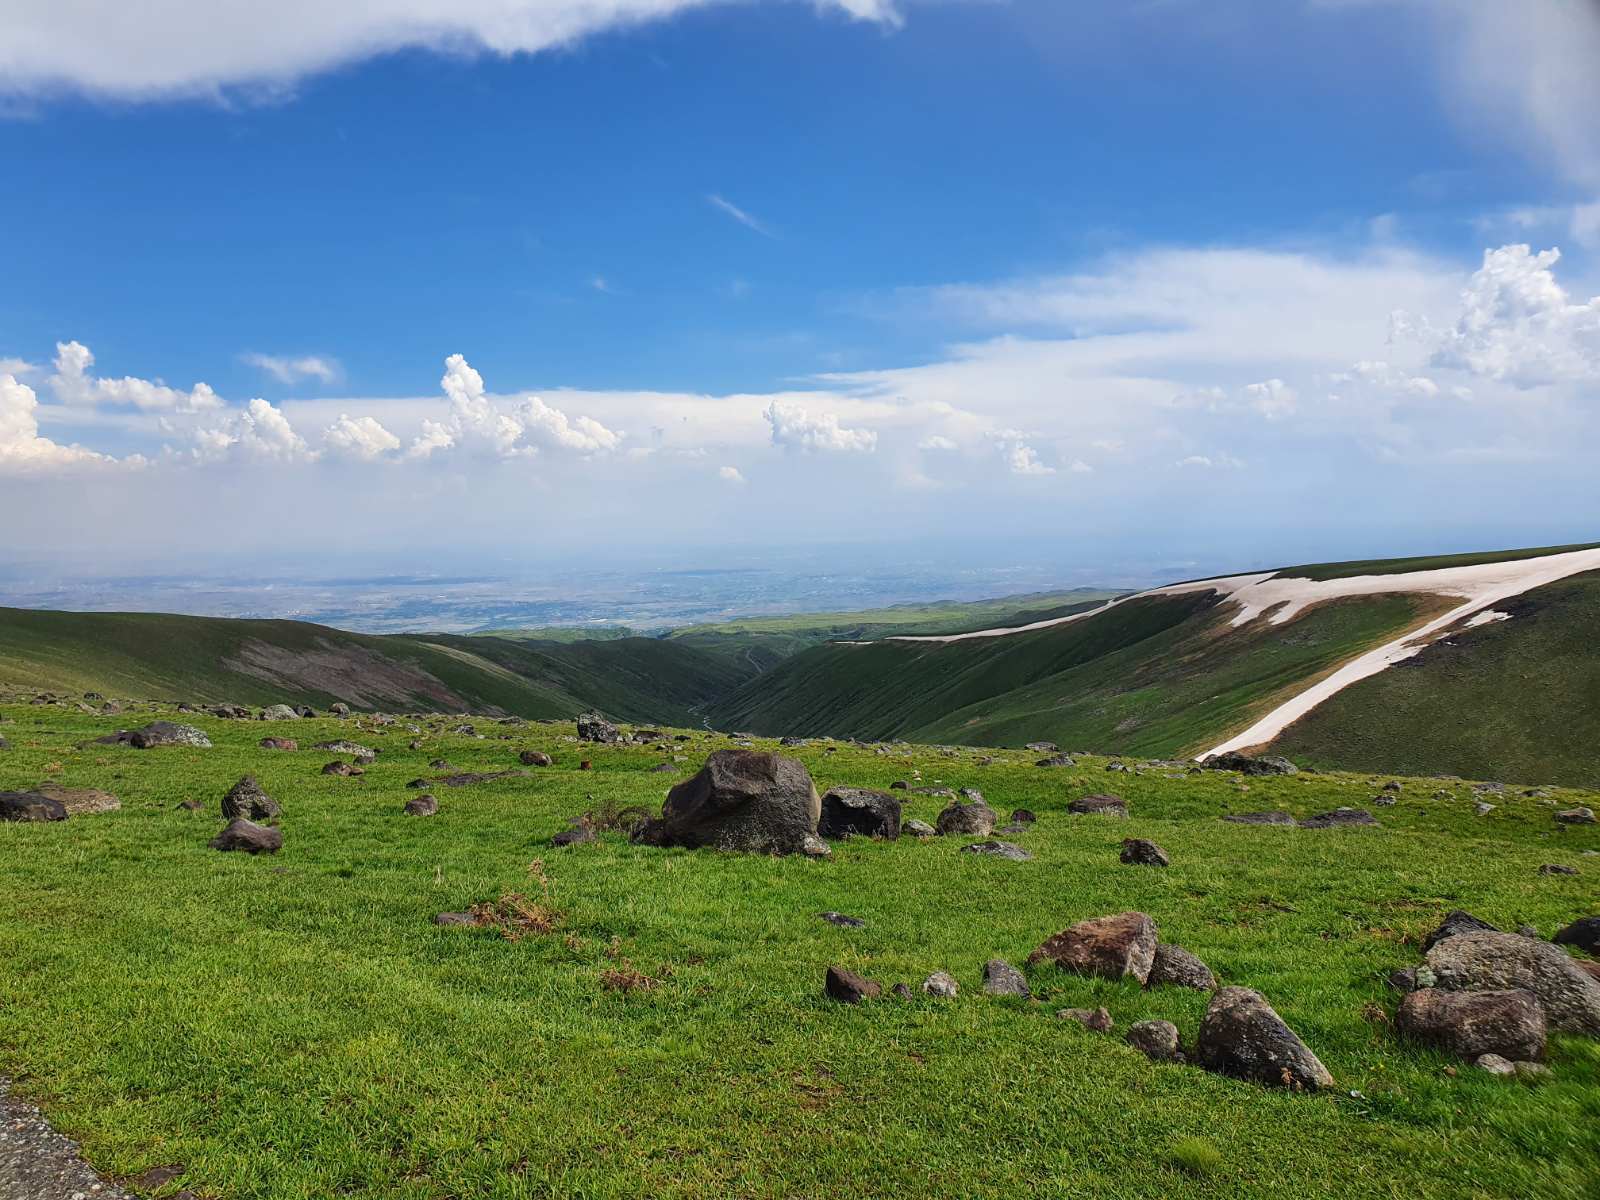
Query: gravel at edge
{"type": "Point", "coordinates": [37, 1163]}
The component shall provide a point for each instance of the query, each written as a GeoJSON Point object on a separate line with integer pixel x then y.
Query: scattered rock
{"type": "Point", "coordinates": [838, 918]}
{"type": "Point", "coordinates": [594, 728]}
{"type": "Point", "coordinates": [470, 778]}
{"type": "Point", "coordinates": [343, 769]}
{"type": "Point", "coordinates": [1469, 1024]}
{"type": "Point", "coordinates": [1056, 760]}
{"type": "Point", "coordinates": [1243, 1037]}
{"type": "Point", "coordinates": [80, 802]}
{"type": "Point", "coordinates": [580, 833]}
{"type": "Point", "coordinates": [1274, 817]}
{"type": "Point", "coordinates": [1494, 1064]}
{"type": "Point", "coordinates": [974, 820]}
{"type": "Point", "coordinates": [1557, 869]}
{"type": "Point", "coordinates": [30, 806]}
{"type": "Point", "coordinates": [1339, 817]}
{"type": "Point", "coordinates": [1575, 816]}
{"type": "Point", "coordinates": [901, 992]}
{"type": "Point", "coordinates": [1106, 806]}
{"type": "Point", "coordinates": [941, 983]}
{"type": "Point", "coordinates": [534, 758]}
{"type": "Point", "coordinates": [1042, 747]}
{"type": "Point", "coordinates": [1156, 1039]}
{"type": "Point", "coordinates": [741, 800]}
{"type": "Point", "coordinates": [997, 849]}
{"type": "Point", "coordinates": [850, 988]}
{"type": "Point", "coordinates": [1584, 933]}
{"type": "Point", "coordinates": [279, 712]}
{"type": "Point", "coordinates": [456, 918]}
{"type": "Point", "coordinates": [1023, 816]}
{"type": "Point", "coordinates": [241, 834]}
{"type": "Point", "coordinates": [814, 847]}
{"type": "Point", "coordinates": [1000, 978]}
{"type": "Point", "coordinates": [1245, 765]}
{"type": "Point", "coordinates": [1482, 809]}
{"type": "Point", "coordinates": [425, 805]}
{"type": "Point", "coordinates": [344, 746]}
{"type": "Point", "coordinates": [859, 812]}
{"type": "Point", "coordinates": [1111, 947]}
{"type": "Point", "coordinates": [1138, 852]}
{"type": "Point", "coordinates": [1403, 979]}
{"type": "Point", "coordinates": [248, 799]}
{"type": "Point", "coordinates": [1097, 1019]}
{"type": "Point", "coordinates": [339, 709]}
{"type": "Point", "coordinates": [1456, 921]}
{"type": "Point", "coordinates": [918, 829]}
{"type": "Point", "coordinates": [157, 734]}
{"type": "Point", "coordinates": [1492, 961]}
{"type": "Point", "coordinates": [1175, 967]}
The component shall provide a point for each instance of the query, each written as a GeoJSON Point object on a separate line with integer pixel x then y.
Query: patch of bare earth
{"type": "Point", "coordinates": [355, 674]}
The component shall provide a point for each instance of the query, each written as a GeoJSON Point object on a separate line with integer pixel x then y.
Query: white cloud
{"type": "Point", "coordinates": [794, 428]}
{"type": "Point", "coordinates": [1516, 324]}
{"type": "Point", "coordinates": [731, 475]}
{"type": "Point", "coordinates": [937, 442]}
{"type": "Point", "coordinates": [738, 214]}
{"type": "Point", "coordinates": [21, 447]}
{"type": "Point", "coordinates": [359, 437]}
{"type": "Point", "coordinates": [550, 428]}
{"type": "Point", "coordinates": [73, 384]}
{"type": "Point", "coordinates": [258, 431]}
{"type": "Point", "coordinates": [1224, 462]}
{"type": "Point", "coordinates": [1272, 398]}
{"type": "Point", "coordinates": [1019, 457]}
{"type": "Point", "coordinates": [477, 423]}
{"type": "Point", "coordinates": [205, 47]}
{"type": "Point", "coordinates": [287, 369]}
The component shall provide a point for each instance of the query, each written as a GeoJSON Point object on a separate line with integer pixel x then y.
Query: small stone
{"type": "Point", "coordinates": [901, 992]}
{"type": "Point", "coordinates": [1403, 979]}
{"type": "Point", "coordinates": [580, 833]}
{"type": "Point", "coordinates": [1456, 921]}
{"type": "Point", "coordinates": [1494, 1064]}
{"type": "Point", "coordinates": [1575, 816]}
{"type": "Point", "coordinates": [534, 758]}
{"type": "Point", "coordinates": [1097, 1019]}
{"type": "Point", "coordinates": [1142, 853]}
{"type": "Point", "coordinates": [1023, 816]}
{"type": "Point", "coordinates": [342, 769]}
{"type": "Point", "coordinates": [1000, 978]}
{"type": "Point", "coordinates": [455, 918]}
{"type": "Point", "coordinates": [1174, 966]}
{"type": "Point", "coordinates": [995, 849]}
{"type": "Point", "coordinates": [1483, 809]}
{"type": "Point", "coordinates": [941, 983]}
{"type": "Point", "coordinates": [838, 918]}
{"type": "Point", "coordinates": [1557, 869]}
{"type": "Point", "coordinates": [1156, 1039]}
{"type": "Point", "coordinates": [850, 988]}
{"type": "Point", "coordinates": [918, 829]}
{"type": "Point", "coordinates": [278, 743]}
{"type": "Point", "coordinates": [421, 806]}
{"type": "Point", "coordinates": [814, 847]}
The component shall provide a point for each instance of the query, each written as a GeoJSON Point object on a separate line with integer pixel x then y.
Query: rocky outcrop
{"type": "Point", "coordinates": [1245, 765]}
{"type": "Point", "coordinates": [1477, 962]}
{"type": "Point", "coordinates": [592, 727]}
{"type": "Point", "coordinates": [248, 799]}
{"type": "Point", "coordinates": [742, 800]}
{"type": "Point", "coordinates": [30, 806]}
{"type": "Point", "coordinates": [859, 812]}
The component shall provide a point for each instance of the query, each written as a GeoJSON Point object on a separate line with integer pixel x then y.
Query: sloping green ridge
{"type": "Point", "coordinates": [1517, 699]}
{"type": "Point", "coordinates": [201, 659]}
{"type": "Point", "coordinates": [1156, 675]}
{"type": "Point", "coordinates": [1432, 562]}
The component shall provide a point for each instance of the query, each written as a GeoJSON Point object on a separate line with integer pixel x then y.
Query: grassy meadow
{"type": "Point", "coordinates": [294, 1026]}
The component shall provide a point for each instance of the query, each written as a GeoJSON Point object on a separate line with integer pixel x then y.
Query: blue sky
{"type": "Point", "coordinates": [966, 266]}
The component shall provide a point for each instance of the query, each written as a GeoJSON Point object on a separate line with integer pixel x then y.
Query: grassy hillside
{"type": "Point", "coordinates": [293, 1027]}
{"type": "Point", "coordinates": [1157, 675]}
{"type": "Point", "coordinates": [208, 660]}
{"type": "Point", "coordinates": [1518, 699]}
{"type": "Point", "coordinates": [1436, 562]}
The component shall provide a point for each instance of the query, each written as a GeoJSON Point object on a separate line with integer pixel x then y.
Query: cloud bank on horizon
{"type": "Point", "coordinates": [1212, 375]}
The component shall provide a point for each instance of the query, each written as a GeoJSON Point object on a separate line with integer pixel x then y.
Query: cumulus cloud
{"type": "Point", "coordinates": [359, 437]}
{"type": "Point", "coordinates": [477, 423]}
{"type": "Point", "coordinates": [72, 383]}
{"type": "Point", "coordinates": [287, 369]}
{"type": "Point", "coordinates": [205, 47]}
{"type": "Point", "coordinates": [794, 428]}
{"type": "Point", "coordinates": [1517, 324]}
{"type": "Point", "coordinates": [1272, 398]}
{"type": "Point", "coordinates": [1019, 457]}
{"type": "Point", "coordinates": [258, 431]}
{"type": "Point", "coordinates": [731, 475]}
{"type": "Point", "coordinates": [21, 447]}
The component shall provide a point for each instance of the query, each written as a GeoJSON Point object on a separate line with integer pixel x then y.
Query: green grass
{"type": "Point", "coordinates": [295, 1028]}
{"type": "Point", "coordinates": [1434, 562]}
{"type": "Point", "coordinates": [1518, 699]}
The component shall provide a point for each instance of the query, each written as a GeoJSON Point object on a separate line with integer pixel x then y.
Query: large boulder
{"type": "Point", "coordinates": [976, 819]}
{"type": "Point", "coordinates": [1480, 962]}
{"type": "Point", "coordinates": [241, 834]}
{"type": "Point", "coordinates": [592, 727]}
{"type": "Point", "coordinates": [1241, 1036]}
{"type": "Point", "coordinates": [248, 799]}
{"type": "Point", "coordinates": [279, 712]}
{"type": "Point", "coordinates": [1469, 1024]}
{"type": "Point", "coordinates": [742, 800]}
{"type": "Point", "coordinates": [1102, 805]}
{"type": "Point", "coordinates": [859, 812]}
{"type": "Point", "coordinates": [1111, 947]}
{"type": "Point", "coordinates": [1457, 921]}
{"type": "Point", "coordinates": [30, 806]}
{"type": "Point", "coordinates": [156, 734]}
{"type": "Point", "coordinates": [1245, 765]}
{"type": "Point", "coordinates": [1140, 852]}
{"type": "Point", "coordinates": [80, 802]}
{"type": "Point", "coordinates": [1583, 933]}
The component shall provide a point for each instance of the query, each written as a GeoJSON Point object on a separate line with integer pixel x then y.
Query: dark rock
{"type": "Point", "coordinates": [838, 918]}
{"type": "Point", "coordinates": [860, 812]}
{"type": "Point", "coordinates": [999, 850]}
{"type": "Point", "coordinates": [80, 802]}
{"type": "Point", "coordinates": [344, 769]}
{"type": "Point", "coordinates": [1557, 869]}
{"type": "Point", "coordinates": [594, 728]}
{"type": "Point", "coordinates": [247, 799]}
{"type": "Point", "coordinates": [421, 806]}
{"type": "Point", "coordinates": [1584, 933]}
{"type": "Point", "coordinates": [157, 734]}
{"type": "Point", "coordinates": [366, 760]}
{"type": "Point", "coordinates": [1156, 1039]}
{"type": "Point", "coordinates": [534, 758]}
{"type": "Point", "coordinates": [901, 992]}
{"type": "Point", "coordinates": [1111, 947]}
{"type": "Point", "coordinates": [972, 820]}
{"type": "Point", "coordinates": [1339, 817]}
{"type": "Point", "coordinates": [1575, 816]}
{"type": "Point", "coordinates": [899, 785]}
{"type": "Point", "coordinates": [1106, 806]}
{"type": "Point", "coordinates": [1141, 853]}
{"type": "Point", "coordinates": [1477, 962]}
{"type": "Point", "coordinates": [30, 806]}
{"type": "Point", "coordinates": [1273, 817]}
{"type": "Point", "coordinates": [1245, 765]}
{"type": "Point", "coordinates": [278, 743]}
{"type": "Point", "coordinates": [1000, 978]}
{"type": "Point", "coordinates": [848, 987]}
{"type": "Point", "coordinates": [1241, 1036]}
{"type": "Point", "coordinates": [1056, 760]}
{"type": "Point", "coordinates": [742, 800]}
{"type": "Point", "coordinates": [1097, 1019]}
{"type": "Point", "coordinates": [1456, 921]}
{"type": "Point", "coordinates": [1023, 816]}
{"type": "Point", "coordinates": [918, 829]}
{"type": "Point", "coordinates": [1403, 979]}
{"type": "Point", "coordinates": [1176, 967]}
{"type": "Point", "coordinates": [576, 836]}
{"type": "Point", "coordinates": [241, 834]}
{"type": "Point", "coordinates": [1469, 1024]}
{"type": "Point", "coordinates": [456, 919]}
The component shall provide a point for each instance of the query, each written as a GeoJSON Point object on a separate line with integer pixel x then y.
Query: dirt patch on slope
{"type": "Point", "coordinates": [354, 674]}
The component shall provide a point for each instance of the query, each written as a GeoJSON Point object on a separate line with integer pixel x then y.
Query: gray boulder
{"type": "Point", "coordinates": [1243, 1037]}
{"type": "Point", "coordinates": [30, 806]}
{"type": "Point", "coordinates": [1245, 765]}
{"type": "Point", "coordinates": [975, 820]}
{"type": "Point", "coordinates": [241, 834]}
{"type": "Point", "coordinates": [1470, 1024]}
{"type": "Point", "coordinates": [248, 799]}
{"type": "Point", "coordinates": [279, 712]}
{"type": "Point", "coordinates": [1000, 978]}
{"type": "Point", "coordinates": [742, 800]}
{"type": "Point", "coordinates": [859, 812]}
{"type": "Point", "coordinates": [592, 727]}
{"type": "Point", "coordinates": [918, 829]}
{"type": "Point", "coordinates": [1155, 1039]}
{"type": "Point", "coordinates": [1111, 947]}
{"type": "Point", "coordinates": [1176, 967]}
{"type": "Point", "coordinates": [941, 983]}
{"type": "Point", "coordinates": [1477, 962]}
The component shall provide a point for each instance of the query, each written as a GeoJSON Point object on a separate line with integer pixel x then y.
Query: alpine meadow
{"type": "Point", "coordinates": [766, 599]}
